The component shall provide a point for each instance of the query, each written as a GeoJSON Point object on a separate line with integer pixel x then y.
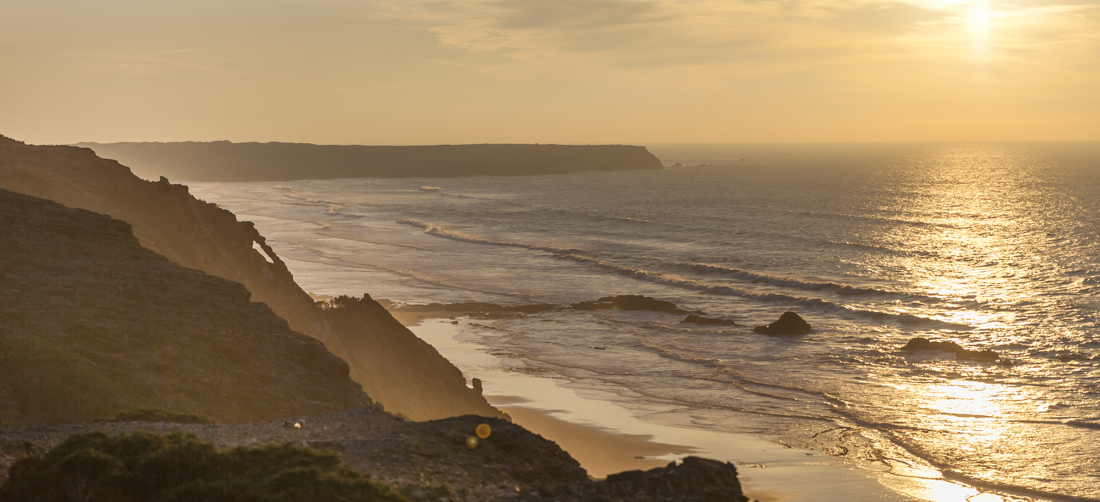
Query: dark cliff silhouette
{"type": "Point", "coordinates": [92, 323]}
{"type": "Point", "coordinates": [196, 234]}
{"type": "Point", "coordinates": [226, 161]}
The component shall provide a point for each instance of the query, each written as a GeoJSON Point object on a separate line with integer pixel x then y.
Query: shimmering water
{"type": "Point", "coordinates": [995, 246]}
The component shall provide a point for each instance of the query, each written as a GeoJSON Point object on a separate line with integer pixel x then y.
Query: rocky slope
{"type": "Point", "coordinates": [195, 234]}
{"type": "Point", "coordinates": [92, 323]}
{"type": "Point", "coordinates": [226, 161]}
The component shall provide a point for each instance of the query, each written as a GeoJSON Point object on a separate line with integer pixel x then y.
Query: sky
{"type": "Point", "coordinates": [544, 71]}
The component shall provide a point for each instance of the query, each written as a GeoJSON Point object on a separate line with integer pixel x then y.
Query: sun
{"type": "Point", "coordinates": [979, 16]}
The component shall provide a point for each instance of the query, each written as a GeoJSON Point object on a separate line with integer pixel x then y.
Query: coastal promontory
{"type": "Point", "coordinates": [227, 161]}
{"type": "Point", "coordinates": [395, 368]}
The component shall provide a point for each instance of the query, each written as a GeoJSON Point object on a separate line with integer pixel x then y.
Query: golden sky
{"type": "Point", "coordinates": [598, 71]}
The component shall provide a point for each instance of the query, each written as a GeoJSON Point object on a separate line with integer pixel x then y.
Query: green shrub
{"type": "Point", "coordinates": [180, 467]}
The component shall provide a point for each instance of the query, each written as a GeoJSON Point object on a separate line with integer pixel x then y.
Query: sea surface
{"type": "Point", "coordinates": [991, 245]}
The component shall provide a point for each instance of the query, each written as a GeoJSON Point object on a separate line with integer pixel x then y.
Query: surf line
{"type": "Point", "coordinates": [440, 231]}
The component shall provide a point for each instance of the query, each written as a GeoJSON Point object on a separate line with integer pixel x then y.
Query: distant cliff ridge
{"type": "Point", "coordinates": [227, 161]}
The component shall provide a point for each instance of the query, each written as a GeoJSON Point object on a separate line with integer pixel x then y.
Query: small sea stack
{"type": "Point", "coordinates": [921, 343]}
{"type": "Point", "coordinates": [789, 323]}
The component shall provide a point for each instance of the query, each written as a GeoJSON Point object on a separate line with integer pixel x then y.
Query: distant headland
{"type": "Point", "coordinates": [227, 161]}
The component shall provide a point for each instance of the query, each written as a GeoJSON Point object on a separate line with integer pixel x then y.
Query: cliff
{"type": "Point", "coordinates": [226, 161]}
{"type": "Point", "coordinates": [92, 323]}
{"type": "Point", "coordinates": [199, 235]}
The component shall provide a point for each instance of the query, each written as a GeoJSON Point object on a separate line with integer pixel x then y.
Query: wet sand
{"type": "Point", "coordinates": [601, 451]}
{"type": "Point", "coordinates": [605, 438]}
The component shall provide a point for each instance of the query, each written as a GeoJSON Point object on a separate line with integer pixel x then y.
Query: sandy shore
{"type": "Point", "coordinates": [605, 438]}
{"type": "Point", "coordinates": [600, 451]}
{"type": "Point", "coordinates": [411, 319]}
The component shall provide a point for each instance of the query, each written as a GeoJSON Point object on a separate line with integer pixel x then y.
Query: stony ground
{"type": "Point", "coordinates": [429, 460]}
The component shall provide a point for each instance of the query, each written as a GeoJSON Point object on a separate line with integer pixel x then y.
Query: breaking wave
{"type": "Point", "coordinates": [786, 282]}
{"type": "Point", "coordinates": [439, 231]}
{"type": "Point", "coordinates": [717, 289]}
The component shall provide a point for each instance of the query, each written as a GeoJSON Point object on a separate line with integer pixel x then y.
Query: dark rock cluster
{"type": "Point", "coordinates": [789, 323]}
{"type": "Point", "coordinates": [962, 354]}
{"type": "Point", "coordinates": [695, 319]}
{"type": "Point", "coordinates": [630, 302]}
{"type": "Point", "coordinates": [693, 480]}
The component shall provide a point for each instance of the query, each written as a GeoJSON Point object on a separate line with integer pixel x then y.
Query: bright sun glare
{"type": "Point", "coordinates": [979, 16]}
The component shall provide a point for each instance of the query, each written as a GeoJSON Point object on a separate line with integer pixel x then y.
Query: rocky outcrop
{"type": "Point", "coordinates": [693, 480]}
{"type": "Point", "coordinates": [168, 220]}
{"type": "Point", "coordinates": [789, 323]}
{"type": "Point", "coordinates": [921, 343]}
{"type": "Point", "coordinates": [694, 319]}
{"type": "Point", "coordinates": [380, 350]}
{"type": "Point", "coordinates": [226, 161]}
{"type": "Point", "coordinates": [92, 323]}
{"type": "Point", "coordinates": [474, 308]}
{"type": "Point", "coordinates": [630, 302]}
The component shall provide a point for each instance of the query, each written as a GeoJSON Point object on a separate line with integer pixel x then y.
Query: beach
{"type": "Point", "coordinates": [858, 240]}
{"type": "Point", "coordinates": [606, 439]}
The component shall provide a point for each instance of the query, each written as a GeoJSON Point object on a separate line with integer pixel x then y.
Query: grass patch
{"type": "Point", "coordinates": [182, 467]}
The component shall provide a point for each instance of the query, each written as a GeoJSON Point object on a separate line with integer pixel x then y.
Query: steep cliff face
{"type": "Point", "coordinates": [379, 350]}
{"type": "Point", "coordinates": [226, 161]}
{"type": "Point", "coordinates": [92, 323]}
{"type": "Point", "coordinates": [168, 220]}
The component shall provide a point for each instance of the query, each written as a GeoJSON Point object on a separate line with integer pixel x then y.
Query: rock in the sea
{"type": "Point", "coordinates": [694, 480]}
{"type": "Point", "coordinates": [630, 302]}
{"type": "Point", "coordinates": [789, 323]}
{"type": "Point", "coordinates": [694, 319]}
{"type": "Point", "coordinates": [921, 343]}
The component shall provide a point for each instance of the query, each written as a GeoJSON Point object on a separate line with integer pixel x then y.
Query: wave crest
{"type": "Point", "coordinates": [440, 231]}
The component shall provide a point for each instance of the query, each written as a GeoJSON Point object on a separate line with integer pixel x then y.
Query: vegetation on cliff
{"type": "Point", "coordinates": [92, 323]}
{"type": "Point", "coordinates": [182, 467]}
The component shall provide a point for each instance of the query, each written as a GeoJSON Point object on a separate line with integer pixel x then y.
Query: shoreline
{"type": "Point", "coordinates": [605, 438]}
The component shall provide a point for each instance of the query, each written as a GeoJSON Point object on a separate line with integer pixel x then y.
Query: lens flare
{"type": "Point", "coordinates": [483, 431]}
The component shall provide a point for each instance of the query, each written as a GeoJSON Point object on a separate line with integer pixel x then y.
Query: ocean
{"type": "Point", "coordinates": [991, 245]}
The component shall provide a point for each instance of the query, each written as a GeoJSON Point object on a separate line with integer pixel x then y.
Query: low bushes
{"type": "Point", "coordinates": [180, 467]}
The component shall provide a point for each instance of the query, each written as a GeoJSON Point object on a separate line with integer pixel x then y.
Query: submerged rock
{"type": "Point", "coordinates": [789, 323]}
{"type": "Point", "coordinates": [694, 319]}
{"type": "Point", "coordinates": [471, 307]}
{"type": "Point", "coordinates": [921, 343]}
{"type": "Point", "coordinates": [630, 302]}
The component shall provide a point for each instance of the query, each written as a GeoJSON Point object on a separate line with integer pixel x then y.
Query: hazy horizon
{"type": "Point", "coordinates": [569, 72]}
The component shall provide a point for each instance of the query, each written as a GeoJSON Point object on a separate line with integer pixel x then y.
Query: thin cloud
{"type": "Point", "coordinates": [149, 63]}
{"type": "Point", "coordinates": [577, 14]}
{"type": "Point", "coordinates": [889, 17]}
